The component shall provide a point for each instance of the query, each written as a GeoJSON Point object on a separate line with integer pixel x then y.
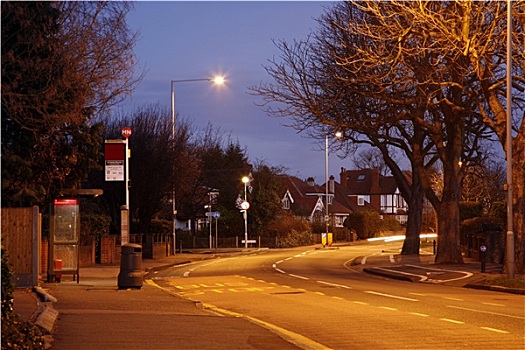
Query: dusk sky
{"type": "Point", "coordinates": [189, 40]}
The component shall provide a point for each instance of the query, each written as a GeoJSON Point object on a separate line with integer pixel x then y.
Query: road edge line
{"type": "Point", "coordinates": [292, 337]}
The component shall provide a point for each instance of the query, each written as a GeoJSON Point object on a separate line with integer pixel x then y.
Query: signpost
{"type": "Point", "coordinates": [117, 156]}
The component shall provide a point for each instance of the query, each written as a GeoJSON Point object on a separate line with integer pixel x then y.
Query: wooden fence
{"type": "Point", "coordinates": [21, 237]}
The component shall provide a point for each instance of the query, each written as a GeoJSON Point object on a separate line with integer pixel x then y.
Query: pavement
{"type": "Point", "coordinates": [94, 313]}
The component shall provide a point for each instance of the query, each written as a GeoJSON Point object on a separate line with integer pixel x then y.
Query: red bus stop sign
{"type": "Point", "coordinates": [126, 132]}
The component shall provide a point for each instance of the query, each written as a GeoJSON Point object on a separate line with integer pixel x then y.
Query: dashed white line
{"type": "Point", "coordinates": [390, 295]}
{"type": "Point", "coordinates": [485, 312]}
{"type": "Point", "coordinates": [279, 270]}
{"type": "Point", "coordinates": [418, 314]}
{"type": "Point", "coordinates": [495, 330]}
{"type": "Point", "coordinates": [297, 276]}
{"type": "Point", "coordinates": [334, 284]}
{"type": "Point", "coordinates": [452, 321]}
{"type": "Point", "coordinates": [387, 308]}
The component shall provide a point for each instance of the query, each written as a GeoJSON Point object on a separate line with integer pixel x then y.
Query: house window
{"type": "Point", "coordinates": [361, 177]}
{"type": "Point", "coordinates": [286, 203]}
{"type": "Point", "coordinates": [360, 200]}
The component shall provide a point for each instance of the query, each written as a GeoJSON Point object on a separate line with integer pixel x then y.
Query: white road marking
{"type": "Point", "coordinates": [493, 304]}
{"type": "Point", "coordinates": [467, 274]}
{"type": "Point", "coordinates": [452, 321]}
{"type": "Point", "coordinates": [418, 314]}
{"type": "Point", "coordinates": [495, 330]}
{"type": "Point", "coordinates": [485, 312]}
{"type": "Point", "coordinates": [334, 284]}
{"type": "Point", "coordinates": [390, 295]}
{"type": "Point", "coordinates": [387, 308]}
{"type": "Point", "coordinates": [297, 276]}
{"type": "Point", "coordinates": [392, 259]}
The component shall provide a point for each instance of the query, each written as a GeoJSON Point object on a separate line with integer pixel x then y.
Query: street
{"type": "Point", "coordinates": [319, 299]}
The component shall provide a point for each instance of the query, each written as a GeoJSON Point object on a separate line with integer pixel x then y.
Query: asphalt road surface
{"type": "Point", "coordinates": [319, 300]}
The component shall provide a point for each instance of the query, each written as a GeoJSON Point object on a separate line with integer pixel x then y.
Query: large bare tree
{"type": "Point", "coordinates": [62, 64]}
{"type": "Point", "coordinates": [394, 72]}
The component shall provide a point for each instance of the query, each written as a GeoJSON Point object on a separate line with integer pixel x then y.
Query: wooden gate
{"type": "Point", "coordinates": [21, 237]}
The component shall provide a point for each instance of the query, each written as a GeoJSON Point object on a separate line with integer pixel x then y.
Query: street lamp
{"type": "Point", "coordinates": [509, 247]}
{"type": "Point", "coordinates": [216, 80]}
{"type": "Point", "coordinates": [338, 134]}
{"type": "Point", "coordinates": [245, 206]}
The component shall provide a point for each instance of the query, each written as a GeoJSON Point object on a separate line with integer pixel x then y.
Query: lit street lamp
{"type": "Point", "coordinates": [216, 80]}
{"type": "Point", "coordinates": [338, 134]}
{"type": "Point", "coordinates": [245, 206]}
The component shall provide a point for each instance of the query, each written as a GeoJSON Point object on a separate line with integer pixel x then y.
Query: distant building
{"type": "Point", "coordinates": [381, 192]}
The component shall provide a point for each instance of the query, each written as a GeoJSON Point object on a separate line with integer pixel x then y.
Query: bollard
{"type": "Point", "coordinates": [434, 246]}
{"type": "Point", "coordinates": [482, 250]}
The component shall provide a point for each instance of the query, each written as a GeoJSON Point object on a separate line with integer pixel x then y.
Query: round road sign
{"type": "Point", "coordinates": [126, 132]}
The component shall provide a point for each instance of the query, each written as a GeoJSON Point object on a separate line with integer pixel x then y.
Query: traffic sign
{"type": "Point", "coordinates": [214, 214]}
{"type": "Point", "coordinates": [126, 132]}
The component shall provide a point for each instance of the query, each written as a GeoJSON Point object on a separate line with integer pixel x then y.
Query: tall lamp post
{"type": "Point", "coordinates": [509, 256]}
{"type": "Point", "coordinates": [245, 206]}
{"type": "Point", "coordinates": [216, 80]}
{"type": "Point", "coordinates": [338, 134]}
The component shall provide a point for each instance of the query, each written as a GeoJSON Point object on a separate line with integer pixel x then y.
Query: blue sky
{"type": "Point", "coordinates": [194, 39]}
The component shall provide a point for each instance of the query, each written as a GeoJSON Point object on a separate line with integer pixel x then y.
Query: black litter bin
{"type": "Point", "coordinates": [130, 275]}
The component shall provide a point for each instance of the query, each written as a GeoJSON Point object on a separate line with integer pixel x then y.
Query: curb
{"type": "Point", "coordinates": [377, 272]}
{"type": "Point", "coordinates": [46, 316]}
{"type": "Point", "coordinates": [495, 288]}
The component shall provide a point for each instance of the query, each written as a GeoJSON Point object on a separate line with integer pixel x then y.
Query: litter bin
{"type": "Point", "coordinates": [130, 275]}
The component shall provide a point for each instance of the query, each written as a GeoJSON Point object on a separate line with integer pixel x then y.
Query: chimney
{"type": "Point", "coordinates": [342, 177]}
{"type": "Point", "coordinates": [331, 184]}
{"type": "Point", "coordinates": [310, 181]}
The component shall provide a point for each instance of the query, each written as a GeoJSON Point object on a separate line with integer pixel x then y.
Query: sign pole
{"type": "Point", "coordinates": [124, 213]}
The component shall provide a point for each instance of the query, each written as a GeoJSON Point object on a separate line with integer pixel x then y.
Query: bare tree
{"type": "Point", "coordinates": [62, 64]}
{"type": "Point", "coordinates": [382, 72]}
{"type": "Point", "coordinates": [370, 158]}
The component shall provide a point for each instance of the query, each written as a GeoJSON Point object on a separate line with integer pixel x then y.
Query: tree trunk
{"type": "Point", "coordinates": [415, 216]}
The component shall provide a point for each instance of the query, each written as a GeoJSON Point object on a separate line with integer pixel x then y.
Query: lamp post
{"type": "Point", "coordinates": [338, 134]}
{"type": "Point", "coordinates": [509, 256]}
{"type": "Point", "coordinates": [245, 206]}
{"type": "Point", "coordinates": [216, 80]}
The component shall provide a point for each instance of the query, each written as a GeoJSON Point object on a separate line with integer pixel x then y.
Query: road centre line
{"type": "Point", "coordinates": [485, 312]}
{"type": "Point", "coordinates": [495, 330]}
{"type": "Point", "coordinates": [389, 295]}
{"type": "Point", "coordinates": [418, 314]}
{"type": "Point", "coordinates": [297, 276]}
{"type": "Point", "coordinates": [454, 299]}
{"type": "Point", "coordinates": [334, 284]}
{"type": "Point", "coordinates": [452, 321]}
{"type": "Point", "coordinates": [387, 308]}
{"type": "Point", "coordinates": [493, 304]}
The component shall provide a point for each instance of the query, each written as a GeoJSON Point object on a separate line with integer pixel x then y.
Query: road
{"type": "Point", "coordinates": [319, 300]}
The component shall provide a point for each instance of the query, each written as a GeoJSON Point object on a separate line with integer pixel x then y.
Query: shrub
{"type": "Point", "coordinates": [469, 210]}
{"type": "Point", "coordinates": [294, 239]}
{"type": "Point", "coordinates": [290, 231]}
{"type": "Point", "coordinates": [390, 224]}
{"type": "Point", "coordinates": [365, 223]}
{"type": "Point", "coordinates": [93, 226]}
{"type": "Point", "coordinates": [161, 226]}
{"type": "Point", "coordinates": [16, 333]}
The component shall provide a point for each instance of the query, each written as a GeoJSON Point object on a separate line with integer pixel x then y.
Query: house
{"type": "Point", "coordinates": [381, 192]}
{"type": "Point", "coordinates": [306, 199]}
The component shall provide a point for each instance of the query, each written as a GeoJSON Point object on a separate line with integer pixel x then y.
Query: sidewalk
{"type": "Point", "coordinates": [95, 314]}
